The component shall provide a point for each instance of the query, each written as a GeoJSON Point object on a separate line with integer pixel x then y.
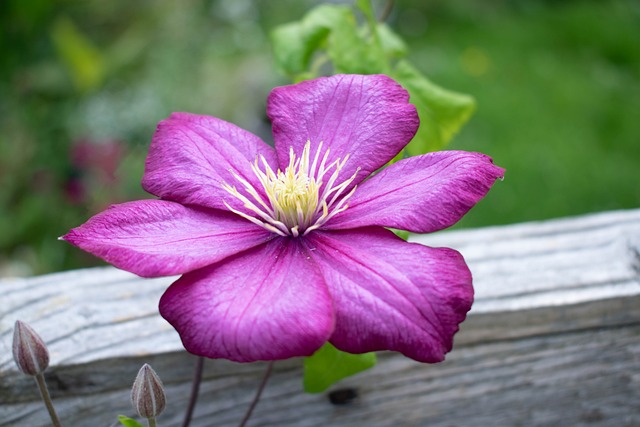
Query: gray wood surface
{"type": "Point", "coordinates": [553, 339]}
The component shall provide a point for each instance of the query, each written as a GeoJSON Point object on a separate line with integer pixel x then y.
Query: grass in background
{"type": "Point", "coordinates": [558, 91]}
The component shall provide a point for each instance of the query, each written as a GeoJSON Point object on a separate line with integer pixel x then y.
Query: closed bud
{"type": "Point", "coordinates": [29, 350]}
{"type": "Point", "coordinates": [147, 393]}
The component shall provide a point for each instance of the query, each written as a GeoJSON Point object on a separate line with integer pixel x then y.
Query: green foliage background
{"type": "Point", "coordinates": [557, 87]}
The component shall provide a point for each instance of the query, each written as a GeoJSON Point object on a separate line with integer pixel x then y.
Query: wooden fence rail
{"type": "Point", "coordinates": [553, 339]}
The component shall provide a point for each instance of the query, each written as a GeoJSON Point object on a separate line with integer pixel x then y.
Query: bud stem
{"type": "Point", "coordinates": [152, 421]}
{"type": "Point", "coordinates": [267, 373]}
{"type": "Point", "coordinates": [195, 388]}
{"type": "Point", "coordinates": [46, 398]}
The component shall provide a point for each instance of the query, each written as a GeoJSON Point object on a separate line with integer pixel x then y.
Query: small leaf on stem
{"type": "Point", "coordinates": [329, 365]}
{"type": "Point", "coordinates": [128, 422]}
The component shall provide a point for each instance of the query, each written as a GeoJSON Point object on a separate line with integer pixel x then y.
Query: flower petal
{"type": "Point", "coordinates": [367, 117]}
{"type": "Point", "coordinates": [422, 193]}
{"type": "Point", "coordinates": [268, 303]}
{"type": "Point", "coordinates": [191, 156]}
{"type": "Point", "coordinates": [392, 295]}
{"type": "Point", "coordinates": [160, 238]}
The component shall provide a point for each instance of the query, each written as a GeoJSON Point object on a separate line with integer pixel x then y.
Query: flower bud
{"type": "Point", "coordinates": [29, 350]}
{"type": "Point", "coordinates": [147, 393]}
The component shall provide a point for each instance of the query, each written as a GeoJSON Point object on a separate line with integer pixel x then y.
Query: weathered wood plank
{"type": "Point", "coordinates": [553, 339]}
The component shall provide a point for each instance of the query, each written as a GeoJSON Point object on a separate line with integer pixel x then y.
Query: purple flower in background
{"type": "Point", "coordinates": [284, 249]}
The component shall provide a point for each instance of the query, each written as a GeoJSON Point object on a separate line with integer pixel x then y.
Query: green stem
{"type": "Point", "coordinates": [152, 421]}
{"type": "Point", "coordinates": [46, 398]}
{"type": "Point", "coordinates": [388, 7]}
{"type": "Point", "coordinates": [317, 64]}
{"type": "Point", "coordinates": [257, 396]}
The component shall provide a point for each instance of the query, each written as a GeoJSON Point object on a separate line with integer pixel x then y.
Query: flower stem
{"type": "Point", "coordinates": [152, 421]}
{"type": "Point", "coordinates": [388, 7]}
{"type": "Point", "coordinates": [46, 398]}
{"type": "Point", "coordinates": [267, 373]}
{"type": "Point", "coordinates": [195, 388]}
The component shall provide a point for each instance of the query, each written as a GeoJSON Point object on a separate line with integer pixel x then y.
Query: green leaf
{"type": "Point", "coordinates": [331, 32]}
{"type": "Point", "coordinates": [367, 11]}
{"type": "Point", "coordinates": [329, 365]}
{"type": "Point", "coordinates": [82, 58]}
{"type": "Point", "coordinates": [294, 43]}
{"type": "Point", "coordinates": [129, 422]}
{"type": "Point", "coordinates": [442, 112]}
{"type": "Point", "coordinates": [354, 51]}
{"type": "Point", "coordinates": [334, 29]}
{"type": "Point", "coordinates": [392, 44]}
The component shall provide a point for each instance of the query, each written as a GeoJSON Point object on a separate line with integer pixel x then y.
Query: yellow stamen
{"type": "Point", "coordinates": [295, 204]}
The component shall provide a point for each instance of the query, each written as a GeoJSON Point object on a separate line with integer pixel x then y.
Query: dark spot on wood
{"type": "Point", "coordinates": [635, 257]}
{"type": "Point", "coordinates": [66, 382]}
{"type": "Point", "coordinates": [343, 396]}
{"type": "Point", "coordinates": [592, 416]}
{"type": "Point", "coordinates": [56, 382]}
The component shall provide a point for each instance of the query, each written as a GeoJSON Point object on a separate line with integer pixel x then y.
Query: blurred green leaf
{"type": "Point", "coordinates": [329, 365]}
{"type": "Point", "coordinates": [442, 112]}
{"type": "Point", "coordinates": [370, 49]}
{"type": "Point", "coordinates": [331, 28]}
{"type": "Point", "coordinates": [128, 48]}
{"type": "Point", "coordinates": [392, 44]}
{"type": "Point", "coordinates": [352, 50]}
{"type": "Point", "coordinates": [82, 59]}
{"type": "Point", "coordinates": [367, 11]}
{"type": "Point", "coordinates": [372, 33]}
{"type": "Point", "coordinates": [128, 422]}
{"type": "Point", "coordinates": [295, 43]}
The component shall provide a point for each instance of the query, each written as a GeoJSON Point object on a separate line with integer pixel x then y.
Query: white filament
{"type": "Point", "coordinates": [298, 199]}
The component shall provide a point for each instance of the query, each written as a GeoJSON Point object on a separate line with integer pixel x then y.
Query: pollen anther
{"type": "Point", "coordinates": [298, 200]}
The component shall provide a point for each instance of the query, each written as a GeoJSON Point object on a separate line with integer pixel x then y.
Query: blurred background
{"type": "Point", "coordinates": [84, 83]}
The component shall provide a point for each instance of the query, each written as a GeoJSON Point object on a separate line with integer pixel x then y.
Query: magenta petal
{"type": "Point", "coordinates": [160, 238]}
{"type": "Point", "coordinates": [422, 193]}
{"type": "Point", "coordinates": [191, 156]}
{"type": "Point", "coordinates": [367, 117]}
{"type": "Point", "coordinates": [392, 295]}
{"type": "Point", "coordinates": [268, 303]}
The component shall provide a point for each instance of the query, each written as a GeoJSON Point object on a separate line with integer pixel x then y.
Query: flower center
{"type": "Point", "coordinates": [299, 199]}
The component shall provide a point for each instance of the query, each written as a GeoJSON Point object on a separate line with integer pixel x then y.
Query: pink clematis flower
{"type": "Point", "coordinates": [284, 249]}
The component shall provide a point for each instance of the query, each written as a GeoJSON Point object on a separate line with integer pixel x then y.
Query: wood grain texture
{"type": "Point", "coordinates": [553, 339]}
